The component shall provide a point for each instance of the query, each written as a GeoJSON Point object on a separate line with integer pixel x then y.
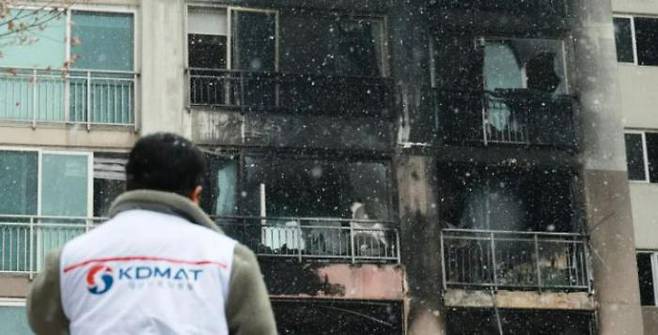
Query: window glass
{"type": "Point", "coordinates": [42, 47]}
{"type": "Point", "coordinates": [109, 180]}
{"type": "Point", "coordinates": [646, 30]}
{"type": "Point", "coordinates": [646, 279]}
{"type": "Point", "coordinates": [64, 175]}
{"type": "Point", "coordinates": [18, 182]}
{"type": "Point", "coordinates": [219, 191]}
{"type": "Point", "coordinates": [254, 41]}
{"type": "Point", "coordinates": [652, 155]}
{"type": "Point", "coordinates": [206, 38]}
{"type": "Point", "coordinates": [14, 320]}
{"type": "Point", "coordinates": [623, 39]}
{"type": "Point", "coordinates": [102, 41]}
{"type": "Point", "coordinates": [635, 157]}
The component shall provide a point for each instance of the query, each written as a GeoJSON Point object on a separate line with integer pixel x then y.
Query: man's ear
{"type": "Point", "coordinates": [195, 195]}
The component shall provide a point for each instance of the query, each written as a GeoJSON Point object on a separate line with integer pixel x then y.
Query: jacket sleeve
{"type": "Point", "coordinates": [249, 311]}
{"type": "Point", "coordinates": [44, 301]}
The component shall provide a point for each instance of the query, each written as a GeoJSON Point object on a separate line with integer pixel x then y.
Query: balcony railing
{"type": "Point", "coordinates": [480, 259]}
{"type": "Point", "coordinates": [506, 117]}
{"type": "Point", "coordinates": [291, 93]}
{"type": "Point", "coordinates": [72, 96]}
{"type": "Point", "coordinates": [25, 240]}
{"type": "Point", "coordinates": [316, 238]}
{"type": "Point", "coordinates": [534, 7]}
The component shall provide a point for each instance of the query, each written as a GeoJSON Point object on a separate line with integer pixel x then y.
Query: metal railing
{"type": "Point", "coordinates": [26, 239]}
{"type": "Point", "coordinates": [87, 97]}
{"type": "Point", "coordinates": [545, 7]}
{"type": "Point", "coordinates": [316, 238]}
{"type": "Point", "coordinates": [515, 116]}
{"type": "Point", "coordinates": [292, 93]}
{"type": "Point", "coordinates": [482, 259]}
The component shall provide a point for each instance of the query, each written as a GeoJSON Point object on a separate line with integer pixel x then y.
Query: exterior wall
{"type": "Point", "coordinates": [634, 6]}
{"type": "Point", "coordinates": [162, 40]}
{"type": "Point", "coordinates": [638, 99]}
{"type": "Point", "coordinates": [644, 197]}
{"type": "Point", "coordinates": [650, 318]}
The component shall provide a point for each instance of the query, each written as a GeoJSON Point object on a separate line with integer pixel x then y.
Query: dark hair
{"type": "Point", "coordinates": [165, 162]}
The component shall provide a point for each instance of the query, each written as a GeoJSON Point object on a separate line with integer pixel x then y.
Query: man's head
{"type": "Point", "coordinates": [166, 162]}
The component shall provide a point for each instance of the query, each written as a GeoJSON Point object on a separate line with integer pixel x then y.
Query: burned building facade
{"type": "Point", "coordinates": [399, 167]}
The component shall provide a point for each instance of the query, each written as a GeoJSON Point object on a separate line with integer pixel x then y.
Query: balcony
{"type": "Point", "coordinates": [505, 116]}
{"type": "Point", "coordinates": [67, 97]}
{"type": "Point", "coordinates": [502, 260]}
{"type": "Point", "coordinates": [307, 94]}
{"type": "Point", "coordinates": [26, 239]}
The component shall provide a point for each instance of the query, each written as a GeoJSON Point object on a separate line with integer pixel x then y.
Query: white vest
{"type": "Point", "coordinates": [145, 272]}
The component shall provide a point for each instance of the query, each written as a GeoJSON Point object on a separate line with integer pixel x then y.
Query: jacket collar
{"type": "Point", "coordinates": [162, 202]}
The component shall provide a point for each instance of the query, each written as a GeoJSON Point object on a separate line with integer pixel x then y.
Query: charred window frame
{"type": "Point", "coordinates": [109, 180]}
{"type": "Point", "coordinates": [647, 265]}
{"type": "Point", "coordinates": [636, 33]}
{"type": "Point", "coordinates": [642, 155]}
{"type": "Point", "coordinates": [255, 168]}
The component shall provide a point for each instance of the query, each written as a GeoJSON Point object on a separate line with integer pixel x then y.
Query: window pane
{"type": "Point", "coordinates": [646, 279]}
{"type": "Point", "coordinates": [109, 180]}
{"type": "Point", "coordinates": [652, 155]}
{"type": "Point", "coordinates": [43, 48]}
{"type": "Point", "coordinates": [646, 31]}
{"type": "Point", "coordinates": [635, 157]}
{"type": "Point", "coordinates": [102, 41]}
{"type": "Point", "coordinates": [254, 41]}
{"type": "Point", "coordinates": [64, 174]}
{"type": "Point", "coordinates": [623, 39]}
{"type": "Point", "coordinates": [206, 51]}
{"type": "Point", "coordinates": [18, 182]}
{"type": "Point", "coordinates": [14, 320]}
{"type": "Point", "coordinates": [219, 192]}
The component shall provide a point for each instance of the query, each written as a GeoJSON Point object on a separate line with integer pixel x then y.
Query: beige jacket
{"type": "Point", "coordinates": [248, 308]}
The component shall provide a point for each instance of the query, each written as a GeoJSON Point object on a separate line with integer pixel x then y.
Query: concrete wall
{"type": "Point", "coordinates": [634, 6]}
{"type": "Point", "coordinates": [638, 96]}
{"type": "Point", "coordinates": [650, 318]}
{"type": "Point", "coordinates": [644, 197]}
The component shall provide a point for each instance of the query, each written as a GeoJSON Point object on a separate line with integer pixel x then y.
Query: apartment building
{"type": "Point", "coordinates": [399, 167]}
{"type": "Point", "coordinates": [635, 29]}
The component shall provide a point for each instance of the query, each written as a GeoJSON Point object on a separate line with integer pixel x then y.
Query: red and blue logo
{"type": "Point", "coordinates": [99, 279]}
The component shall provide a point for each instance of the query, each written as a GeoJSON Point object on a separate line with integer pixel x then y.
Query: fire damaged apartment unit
{"type": "Point", "coordinates": [399, 167]}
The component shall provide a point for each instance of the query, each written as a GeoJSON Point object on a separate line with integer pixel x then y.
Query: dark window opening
{"type": "Point", "coordinates": [646, 30]}
{"type": "Point", "coordinates": [207, 51]}
{"type": "Point", "coordinates": [645, 274]}
{"type": "Point", "coordinates": [109, 180]}
{"type": "Point", "coordinates": [652, 156]}
{"type": "Point", "coordinates": [635, 157]}
{"type": "Point", "coordinates": [548, 322]}
{"type": "Point", "coordinates": [624, 39]}
{"type": "Point", "coordinates": [500, 199]}
{"type": "Point", "coordinates": [361, 317]}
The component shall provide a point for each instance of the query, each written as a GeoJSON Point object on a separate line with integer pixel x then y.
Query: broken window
{"type": "Point", "coordinates": [502, 199]}
{"type": "Point", "coordinates": [642, 156]}
{"type": "Point", "coordinates": [314, 205]}
{"type": "Point", "coordinates": [333, 45]}
{"type": "Point", "coordinates": [646, 266]}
